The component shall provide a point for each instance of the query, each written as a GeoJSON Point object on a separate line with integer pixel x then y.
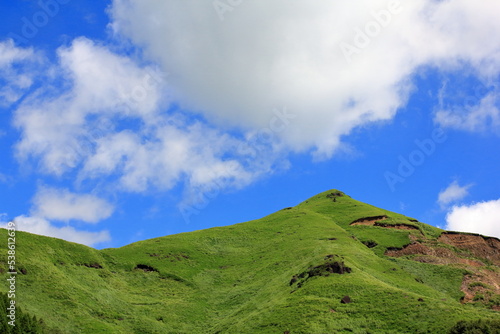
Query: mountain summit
{"type": "Point", "coordinates": [328, 265]}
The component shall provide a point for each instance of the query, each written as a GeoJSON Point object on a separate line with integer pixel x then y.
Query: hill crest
{"type": "Point", "coordinates": [290, 271]}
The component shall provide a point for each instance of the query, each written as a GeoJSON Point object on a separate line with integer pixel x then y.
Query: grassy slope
{"type": "Point", "coordinates": [236, 279]}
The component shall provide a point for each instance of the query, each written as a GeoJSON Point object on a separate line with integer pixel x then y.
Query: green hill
{"type": "Point", "coordinates": [328, 265]}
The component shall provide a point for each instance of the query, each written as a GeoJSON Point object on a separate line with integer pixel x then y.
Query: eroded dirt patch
{"type": "Point", "coordinates": [483, 247]}
{"type": "Point", "coordinates": [368, 221]}
{"type": "Point", "coordinates": [333, 265]}
{"type": "Point", "coordinates": [377, 221]}
{"type": "Point", "coordinates": [434, 254]}
{"type": "Point", "coordinates": [94, 265]}
{"type": "Point", "coordinates": [370, 243]}
{"type": "Point", "coordinates": [481, 286]}
{"type": "Point", "coordinates": [145, 267]}
{"type": "Point", "coordinates": [396, 226]}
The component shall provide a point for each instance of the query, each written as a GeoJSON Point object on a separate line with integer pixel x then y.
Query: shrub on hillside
{"type": "Point", "coordinates": [476, 327]}
{"type": "Point", "coordinates": [24, 323]}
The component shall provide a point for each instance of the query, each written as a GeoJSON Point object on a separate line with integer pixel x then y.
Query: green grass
{"type": "Point", "coordinates": [236, 279]}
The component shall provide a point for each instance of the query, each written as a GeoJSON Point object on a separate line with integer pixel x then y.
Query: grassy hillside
{"type": "Point", "coordinates": [277, 274]}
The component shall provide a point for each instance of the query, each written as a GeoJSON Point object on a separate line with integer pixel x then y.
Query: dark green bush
{"type": "Point", "coordinates": [24, 323]}
{"type": "Point", "coordinates": [476, 327]}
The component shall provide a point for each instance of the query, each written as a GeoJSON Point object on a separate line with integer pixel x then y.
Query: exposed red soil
{"type": "Point", "coordinates": [396, 226]}
{"type": "Point", "coordinates": [482, 247]}
{"type": "Point", "coordinates": [416, 248]}
{"type": "Point", "coordinates": [376, 221]}
{"type": "Point", "coordinates": [482, 283]}
{"type": "Point", "coordinates": [368, 221]}
{"type": "Point", "coordinates": [434, 254]}
{"type": "Point", "coordinates": [472, 263]}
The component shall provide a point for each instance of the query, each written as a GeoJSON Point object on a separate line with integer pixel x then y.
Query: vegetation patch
{"type": "Point", "coordinates": [171, 256]}
{"type": "Point", "coordinates": [234, 279]}
{"type": "Point", "coordinates": [334, 194]}
{"type": "Point", "coordinates": [476, 327]}
{"type": "Point", "coordinates": [481, 286]}
{"type": "Point", "coordinates": [18, 321]}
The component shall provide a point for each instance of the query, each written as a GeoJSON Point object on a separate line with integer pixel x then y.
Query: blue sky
{"type": "Point", "coordinates": [125, 120]}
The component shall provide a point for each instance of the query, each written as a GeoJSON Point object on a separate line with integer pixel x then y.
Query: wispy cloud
{"type": "Point", "coordinates": [63, 205]}
{"type": "Point", "coordinates": [482, 218]}
{"type": "Point", "coordinates": [17, 71]}
{"type": "Point", "coordinates": [42, 226]}
{"type": "Point", "coordinates": [54, 210]}
{"type": "Point", "coordinates": [58, 124]}
{"type": "Point", "coordinates": [453, 193]}
{"type": "Point", "coordinates": [482, 116]}
{"type": "Point", "coordinates": [84, 127]}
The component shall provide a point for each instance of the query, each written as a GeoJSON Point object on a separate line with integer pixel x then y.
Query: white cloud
{"type": "Point", "coordinates": [482, 218]}
{"type": "Point", "coordinates": [483, 116]}
{"type": "Point", "coordinates": [41, 226]}
{"type": "Point", "coordinates": [15, 79]}
{"type": "Point", "coordinates": [454, 192]}
{"type": "Point", "coordinates": [60, 124]}
{"type": "Point", "coordinates": [50, 204]}
{"type": "Point", "coordinates": [268, 54]}
{"type": "Point", "coordinates": [62, 205]}
{"type": "Point", "coordinates": [113, 119]}
{"type": "Point", "coordinates": [10, 54]}
{"type": "Point", "coordinates": [166, 157]}
{"type": "Point", "coordinates": [85, 128]}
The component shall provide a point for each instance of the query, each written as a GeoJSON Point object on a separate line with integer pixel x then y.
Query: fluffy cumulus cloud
{"type": "Point", "coordinates": [51, 205]}
{"type": "Point", "coordinates": [480, 218]}
{"type": "Point", "coordinates": [59, 123]}
{"type": "Point", "coordinates": [454, 192]}
{"type": "Point", "coordinates": [16, 71]}
{"type": "Point", "coordinates": [63, 205]}
{"type": "Point", "coordinates": [164, 156]}
{"type": "Point", "coordinates": [337, 65]}
{"type": "Point", "coordinates": [41, 226]}
{"type": "Point", "coordinates": [113, 120]}
{"type": "Point", "coordinates": [223, 90]}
